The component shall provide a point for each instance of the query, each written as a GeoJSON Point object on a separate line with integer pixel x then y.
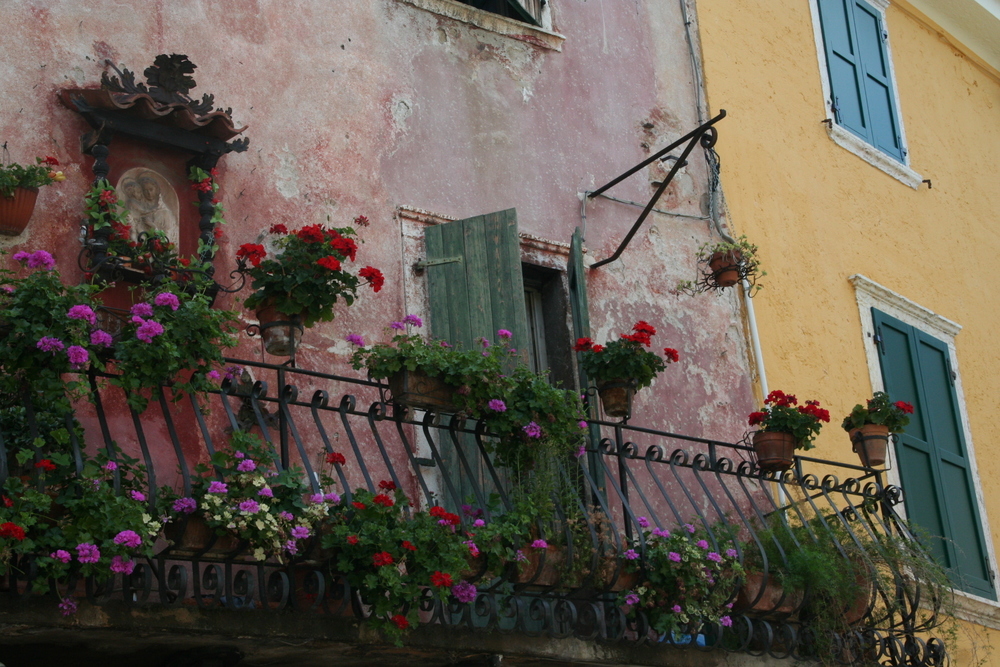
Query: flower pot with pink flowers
{"type": "Point", "coordinates": [785, 426]}
{"type": "Point", "coordinates": [869, 426]}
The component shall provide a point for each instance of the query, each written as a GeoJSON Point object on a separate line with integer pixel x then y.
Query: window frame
{"type": "Point", "coordinates": [870, 294]}
{"type": "Point", "coordinates": [900, 170]}
{"type": "Point", "coordinates": [543, 36]}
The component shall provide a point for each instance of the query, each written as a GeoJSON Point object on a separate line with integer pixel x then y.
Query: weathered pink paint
{"type": "Point", "coordinates": [360, 108]}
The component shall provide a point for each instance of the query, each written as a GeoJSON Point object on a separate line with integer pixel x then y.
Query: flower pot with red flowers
{"type": "Point", "coordinates": [19, 190]}
{"type": "Point", "coordinates": [723, 264]}
{"type": "Point", "coordinates": [869, 426]}
{"type": "Point", "coordinates": [301, 281]}
{"type": "Point", "coordinates": [622, 367]}
{"type": "Point", "coordinates": [784, 427]}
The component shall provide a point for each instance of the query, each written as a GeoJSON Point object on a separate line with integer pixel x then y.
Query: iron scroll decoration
{"type": "Point", "coordinates": [159, 113]}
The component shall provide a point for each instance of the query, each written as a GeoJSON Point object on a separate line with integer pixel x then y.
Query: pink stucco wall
{"type": "Point", "coordinates": [363, 107]}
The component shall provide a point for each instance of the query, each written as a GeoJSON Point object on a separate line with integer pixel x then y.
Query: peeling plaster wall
{"type": "Point", "coordinates": [361, 108]}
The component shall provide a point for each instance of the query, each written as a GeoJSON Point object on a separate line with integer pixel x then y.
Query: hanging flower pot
{"type": "Point", "coordinates": [280, 332]}
{"type": "Point", "coordinates": [416, 390]}
{"type": "Point", "coordinates": [616, 396]}
{"type": "Point", "coordinates": [870, 442]}
{"type": "Point", "coordinates": [775, 450]}
{"type": "Point", "coordinates": [15, 212]}
{"type": "Point", "coordinates": [725, 267]}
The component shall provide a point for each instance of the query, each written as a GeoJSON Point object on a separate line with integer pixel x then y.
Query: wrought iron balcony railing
{"type": "Point", "coordinates": [630, 477]}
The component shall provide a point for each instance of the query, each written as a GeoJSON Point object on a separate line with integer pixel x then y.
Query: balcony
{"type": "Point", "coordinates": [563, 603]}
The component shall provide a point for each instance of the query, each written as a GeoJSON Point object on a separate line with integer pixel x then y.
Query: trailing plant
{"type": "Point", "coordinates": [879, 410]}
{"type": "Point", "coordinates": [306, 276]}
{"type": "Point", "coordinates": [243, 492]}
{"type": "Point", "coordinates": [171, 332]}
{"type": "Point", "coordinates": [782, 413]}
{"type": "Point", "coordinates": [740, 256]}
{"type": "Point", "coordinates": [625, 358]}
{"type": "Point", "coordinates": [13, 175]}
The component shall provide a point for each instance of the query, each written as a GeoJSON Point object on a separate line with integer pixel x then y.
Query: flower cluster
{"type": "Point", "coordinates": [36, 175]}
{"type": "Point", "coordinates": [879, 410]}
{"type": "Point", "coordinates": [625, 358]}
{"type": "Point", "coordinates": [783, 414]}
{"type": "Point", "coordinates": [307, 275]}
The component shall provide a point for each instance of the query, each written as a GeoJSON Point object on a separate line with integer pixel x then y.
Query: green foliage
{"type": "Point", "coordinates": [624, 358]}
{"type": "Point", "coordinates": [191, 339]}
{"type": "Point", "coordinates": [879, 410]}
{"type": "Point", "coordinates": [743, 256]}
{"type": "Point", "coordinates": [36, 175]}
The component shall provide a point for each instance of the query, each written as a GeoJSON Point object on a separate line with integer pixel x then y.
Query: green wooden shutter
{"type": "Point", "coordinates": [843, 62]}
{"type": "Point", "coordinates": [938, 487]}
{"type": "Point", "coordinates": [529, 10]}
{"type": "Point", "coordinates": [474, 279]}
{"type": "Point", "coordinates": [883, 127]}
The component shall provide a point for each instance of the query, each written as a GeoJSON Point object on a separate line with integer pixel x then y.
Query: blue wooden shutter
{"type": "Point", "coordinates": [938, 487]}
{"type": "Point", "coordinates": [883, 126]}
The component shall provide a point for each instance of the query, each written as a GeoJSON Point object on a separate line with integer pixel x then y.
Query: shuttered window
{"type": "Point", "coordinates": [529, 11]}
{"type": "Point", "coordinates": [938, 486]}
{"type": "Point", "coordinates": [857, 61]}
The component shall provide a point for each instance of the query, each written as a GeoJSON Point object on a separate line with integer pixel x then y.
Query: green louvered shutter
{"type": "Point", "coordinates": [577, 278]}
{"type": "Point", "coordinates": [843, 62]}
{"type": "Point", "coordinates": [883, 127]}
{"type": "Point", "coordinates": [529, 10]}
{"type": "Point", "coordinates": [938, 487]}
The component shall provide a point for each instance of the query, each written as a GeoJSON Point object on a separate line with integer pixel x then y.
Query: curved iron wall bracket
{"type": "Point", "coordinates": [705, 134]}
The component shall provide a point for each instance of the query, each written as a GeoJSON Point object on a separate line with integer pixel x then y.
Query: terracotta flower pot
{"type": "Point", "coordinates": [766, 598]}
{"type": "Point", "coordinates": [870, 442]}
{"type": "Point", "coordinates": [775, 449]}
{"type": "Point", "coordinates": [537, 573]}
{"type": "Point", "coordinates": [15, 212]}
{"type": "Point", "coordinates": [616, 397]}
{"type": "Point", "coordinates": [416, 390]}
{"type": "Point", "coordinates": [725, 268]}
{"type": "Point", "coordinates": [279, 339]}
{"type": "Point", "coordinates": [193, 538]}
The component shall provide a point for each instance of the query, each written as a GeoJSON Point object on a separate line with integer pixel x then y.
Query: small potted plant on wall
{"type": "Point", "coordinates": [622, 367]}
{"type": "Point", "coordinates": [299, 284]}
{"type": "Point", "coordinates": [19, 190]}
{"type": "Point", "coordinates": [784, 427]}
{"type": "Point", "coordinates": [869, 426]}
{"type": "Point", "coordinates": [723, 264]}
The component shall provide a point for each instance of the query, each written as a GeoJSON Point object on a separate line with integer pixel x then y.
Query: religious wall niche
{"type": "Point", "coordinates": [154, 208]}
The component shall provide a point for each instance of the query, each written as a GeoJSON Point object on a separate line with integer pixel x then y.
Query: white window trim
{"type": "Point", "coordinates": [542, 36]}
{"type": "Point", "coordinates": [870, 294]}
{"type": "Point", "coordinates": [844, 138]}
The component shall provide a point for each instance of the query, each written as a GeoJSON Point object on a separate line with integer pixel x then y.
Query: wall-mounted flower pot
{"type": "Point", "coordinates": [775, 450]}
{"type": "Point", "coordinates": [193, 538]}
{"type": "Point", "coordinates": [15, 212]}
{"type": "Point", "coordinates": [870, 442]}
{"type": "Point", "coordinates": [616, 397]}
{"type": "Point", "coordinates": [279, 339]}
{"type": "Point", "coordinates": [725, 268]}
{"type": "Point", "coordinates": [416, 390]}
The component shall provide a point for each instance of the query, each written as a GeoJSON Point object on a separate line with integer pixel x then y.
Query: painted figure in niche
{"type": "Point", "coordinates": [151, 203]}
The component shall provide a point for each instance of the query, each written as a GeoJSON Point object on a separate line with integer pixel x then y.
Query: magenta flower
{"type": "Point", "coordinates": [149, 330]}
{"type": "Point", "coordinates": [138, 496]}
{"type": "Point", "coordinates": [660, 532]}
{"type": "Point", "coordinates": [726, 621]}
{"type": "Point", "coordinates": [102, 338]}
{"type": "Point", "coordinates": [129, 538]}
{"type": "Point", "coordinates": [399, 326]}
{"type": "Point", "coordinates": [473, 549]}
{"type": "Point", "coordinates": [291, 547]}
{"type": "Point", "coordinates": [266, 492]}
{"type": "Point", "coordinates": [300, 532]}
{"type": "Point", "coordinates": [167, 299]}
{"type": "Point", "coordinates": [111, 466]}
{"type": "Point", "coordinates": [631, 554]}
{"type": "Point", "coordinates": [332, 498]}
{"type": "Point", "coordinates": [250, 506]}
{"type": "Point", "coordinates": [464, 592]}
{"type": "Point", "coordinates": [503, 333]}
{"type": "Point", "coordinates": [234, 372]}
{"type": "Point", "coordinates": [414, 320]}
{"type": "Point", "coordinates": [702, 544]}
{"type": "Point", "coordinates": [520, 557]}
{"type": "Point", "coordinates": [50, 344]}
{"type": "Point", "coordinates": [632, 599]}
{"type": "Point", "coordinates": [478, 523]}
{"type": "Point", "coordinates": [676, 609]}
{"type": "Point", "coordinates": [78, 356]}
{"type": "Point", "coordinates": [355, 339]}
{"type": "Point", "coordinates": [285, 516]}
{"type": "Point", "coordinates": [185, 505]}
{"type": "Point", "coordinates": [123, 566]}
{"type": "Point", "coordinates": [246, 465]}
{"type": "Point", "coordinates": [239, 455]}
{"type": "Point", "coordinates": [674, 556]}
{"type": "Point", "coordinates": [218, 487]}
{"type": "Point", "coordinates": [213, 375]}
{"type": "Point", "coordinates": [689, 528]}
{"type": "Point", "coordinates": [540, 544]}
{"type": "Point", "coordinates": [445, 343]}
{"type": "Point", "coordinates": [731, 553]}
{"type": "Point", "coordinates": [532, 430]}
{"type": "Point", "coordinates": [714, 557]}
{"type": "Point", "coordinates": [142, 310]}
{"type": "Point", "coordinates": [68, 606]}
{"type": "Point", "coordinates": [316, 498]}
{"type": "Point", "coordinates": [61, 555]}
{"type": "Point", "coordinates": [87, 553]}
{"type": "Point", "coordinates": [642, 521]}
{"type": "Point", "coordinates": [581, 451]}
{"type": "Point", "coordinates": [20, 256]}
{"type": "Point", "coordinates": [582, 424]}
{"type": "Point", "coordinates": [41, 260]}
{"type": "Point", "coordinates": [496, 405]}
{"type": "Point", "coordinates": [485, 342]}
{"type": "Point", "coordinates": [82, 312]}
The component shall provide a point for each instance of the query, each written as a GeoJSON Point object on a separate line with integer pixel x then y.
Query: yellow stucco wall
{"type": "Point", "coordinates": [820, 213]}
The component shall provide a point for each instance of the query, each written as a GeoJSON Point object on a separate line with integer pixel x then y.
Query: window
{"type": "Point", "coordinates": [933, 458]}
{"type": "Point", "coordinates": [522, 10]}
{"type": "Point", "coordinates": [861, 99]}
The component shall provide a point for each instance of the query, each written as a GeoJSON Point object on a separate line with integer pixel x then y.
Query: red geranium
{"type": "Point", "coordinates": [441, 579]}
{"type": "Point", "coordinates": [329, 262]}
{"type": "Point", "coordinates": [671, 354]}
{"type": "Point", "coordinates": [400, 621]}
{"type": "Point", "coordinates": [382, 558]}
{"type": "Point", "coordinates": [597, 348]}
{"type": "Point", "coordinates": [202, 186]}
{"type": "Point", "coordinates": [312, 234]}
{"type": "Point", "coordinates": [11, 530]}
{"type": "Point", "coordinates": [352, 539]}
{"type": "Point", "coordinates": [386, 485]}
{"type": "Point", "coordinates": [278, 229]}
{"type": "Point", "coordinates": [409, 545]}
{"type": "Point", "coordinates": [336, 457]}
{"type": "Point", "coordinates": [373, 276]}
{"type": "Point", "coordinates": [904, 406]}
{"type": "Point", "coordinates": [361, 221]}
{"type": "Point", "coordinates": [108, 197]}
{"type": "Point", "coordinates": [383, 500]}
{"type": "Point", "coordinates": [644, 327]}
{"type": "Point", "coordinates": [51, 161]}
{"type": "Point", "coordinates": [583, 345]}
{"type": "Point", "coordinates": [359, 506]}
{"type": "Point", "coordinates": [46, 465]}
{"type": "Point", "coordinates": [7, 502]}
{"type": "Point", "coordinates": [253, 252]}
{"type": "Point", "coordinates": [346, 247]}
